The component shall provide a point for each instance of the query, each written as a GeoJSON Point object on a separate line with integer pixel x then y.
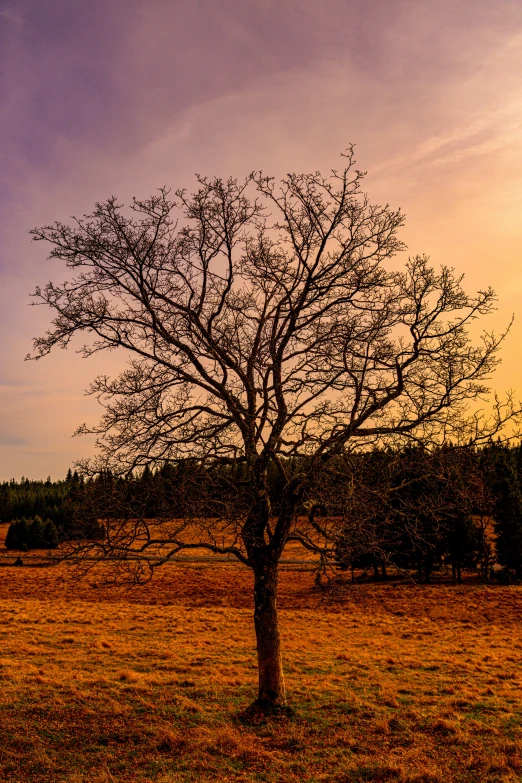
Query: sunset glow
{"type": "Point", "coordinates": [121, 98]}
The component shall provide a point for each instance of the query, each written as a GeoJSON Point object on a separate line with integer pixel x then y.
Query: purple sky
{"type": "Point", "coordinates": [123, 96]}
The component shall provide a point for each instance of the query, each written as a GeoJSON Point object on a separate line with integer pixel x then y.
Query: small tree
{"type": "Point", "coordinates": [267, 332]}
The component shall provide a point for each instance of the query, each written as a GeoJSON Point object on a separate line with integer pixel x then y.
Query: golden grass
{"type": "Point", "coordinates": [392, 683]}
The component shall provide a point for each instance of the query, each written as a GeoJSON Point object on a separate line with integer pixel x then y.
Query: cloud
{"type": "Point", "coordinates": [481, 135]}
{"type": "Point", "coordinates": [11, 16]}
{"type": "Point", "coordinates": [9, 439]}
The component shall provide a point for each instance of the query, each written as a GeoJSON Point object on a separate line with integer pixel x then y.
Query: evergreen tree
{"type": "Point", "coordinates": [37, 534]}
{"type": "Point", "coordinates": [36, 537]}
{"type": "Point", "coordinates": [462, 542]}
{"type": "Point", "coordinates": [18, 535]}
{"type": "Point", "coordinates": [50, 534]}
{"type": "Point", "coordinates": [12, 539]}
{"type": "Point", "coordinates": [508, 512]}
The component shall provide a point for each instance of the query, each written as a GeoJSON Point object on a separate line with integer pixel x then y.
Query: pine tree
{"type": "Point", "coordinates": [11, 539]}
{"type": "Point", "coordinates": [462, 542]}
{"type": "Point", "coordinates": [50, 534]}
{"type": "Point", "coordinates": [508, 512]}
{"type": "Point", "coordinates": [36, 539]}
{"type": "Point", "coordinates": [18, 535]}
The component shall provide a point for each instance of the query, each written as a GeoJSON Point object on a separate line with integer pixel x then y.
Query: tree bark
{"type": "Point", "coordinates": [270, 663]}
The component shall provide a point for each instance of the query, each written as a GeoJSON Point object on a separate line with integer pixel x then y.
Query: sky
{"type": "Point", "coordinates": [123, 96]}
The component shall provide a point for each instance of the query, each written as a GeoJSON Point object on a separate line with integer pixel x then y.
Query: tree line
{"type": "Point", "coordinates": [41, 513]}
{"type": "Point", "coordinates": [419, 510]}
{"type": "Point", "coordinates": [405, 510]}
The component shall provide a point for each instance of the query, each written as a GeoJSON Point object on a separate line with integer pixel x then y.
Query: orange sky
{"type": "Point", "coordinates": [120, 98]}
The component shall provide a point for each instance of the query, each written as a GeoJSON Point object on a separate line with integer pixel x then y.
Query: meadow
{"type": "Point", "coordinates": [388, 682]}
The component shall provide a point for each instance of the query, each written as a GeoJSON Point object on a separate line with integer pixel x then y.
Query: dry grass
{"type": "Point", "coordinates": [393, 683]}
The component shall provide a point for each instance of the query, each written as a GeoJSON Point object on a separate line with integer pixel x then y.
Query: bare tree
{"type": "Point", "coordinates": [266, 330]}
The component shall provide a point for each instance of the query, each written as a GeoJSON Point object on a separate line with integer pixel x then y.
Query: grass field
{"type": "Point", "coordinates": [388, 682]}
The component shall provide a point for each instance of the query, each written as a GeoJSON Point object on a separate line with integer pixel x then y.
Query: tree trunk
{"type": "Point", "coordinates": [486, 568]}
{"type": "Point", "coordinates": [270, 663]}
{"type": "Point", "coordinates": [427, 568]}
{"type": "Point", "coordinates": [420, 568]}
